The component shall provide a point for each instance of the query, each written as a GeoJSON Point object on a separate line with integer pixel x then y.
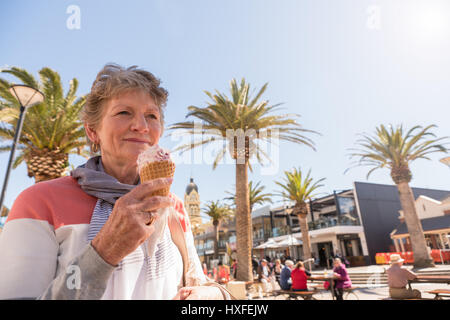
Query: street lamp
{"type": "Point", "coordinates": [446, 161]}
{"type": "Point", "coordinates": [27, 97]}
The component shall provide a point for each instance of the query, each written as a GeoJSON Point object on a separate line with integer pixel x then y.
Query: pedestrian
{"type": "Point", "coordinates": [223, 273]}
{"type": "Point", "coordinates": [255, 265]}
{"type": "Point", "coordinates": [234, 269]}
{"type": "Point", "coordinates": [398, 277]}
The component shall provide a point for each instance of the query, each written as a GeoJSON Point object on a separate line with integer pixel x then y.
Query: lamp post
{"type": "Point", "coordinates": [27, 97]}
{"type": "Point", "coordinates": [446, 161]}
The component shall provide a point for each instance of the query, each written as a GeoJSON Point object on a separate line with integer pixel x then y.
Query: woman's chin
{"type": "Point", "coordinates": [137, 150]}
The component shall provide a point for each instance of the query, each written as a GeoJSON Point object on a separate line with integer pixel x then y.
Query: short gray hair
{"type": "Point", "coordinates": [289, 263]}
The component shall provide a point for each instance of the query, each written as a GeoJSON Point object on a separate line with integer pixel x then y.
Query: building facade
{"type": "Point", "coordinates": [434, 216]}
{"type": "Point", "coordinates": [356, 223]}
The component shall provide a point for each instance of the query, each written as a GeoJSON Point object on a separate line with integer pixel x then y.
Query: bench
{"type": "Point", "coordinates": [389, 298]}
{"type": "Point", "coordinates": [305, 295]}
{"type": "Point", "coordinates": [439, 293]}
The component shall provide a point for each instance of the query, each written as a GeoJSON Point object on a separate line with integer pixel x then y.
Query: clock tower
{"type": "Point", "coordinates": [192, 203]}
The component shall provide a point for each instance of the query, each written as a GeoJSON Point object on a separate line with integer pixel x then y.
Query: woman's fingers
{"type": "Point", "coordinates": [143, 190]}
{"type": "Point", "coordinates": [154, 203]}
{"type": "Point", "coordinates": [183, 293]}
{"type": "Point", "coordinates": [148, 208]}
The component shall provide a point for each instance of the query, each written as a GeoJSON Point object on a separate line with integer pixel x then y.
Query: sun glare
{"type": "Point", "coordinates": [430, 21]}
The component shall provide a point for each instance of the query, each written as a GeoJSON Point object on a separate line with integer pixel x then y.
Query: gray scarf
{"type": "Point", "coordinates": [96, 182]}
{"type": "Point", "coordinates": [93, 180]}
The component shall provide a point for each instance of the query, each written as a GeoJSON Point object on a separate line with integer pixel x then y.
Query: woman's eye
{"type": "Point", "coordinates": [152, 116]}
{"type": "Point", "coordinates": [123, 112]}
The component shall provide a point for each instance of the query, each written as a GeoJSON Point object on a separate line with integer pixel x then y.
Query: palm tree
{"type": "Point", "coordinates": [238, 123]}
{"type": "Point", "coordinates": [394, 149]}
{"type": "Point", "coordinates": [299, 189]}
{"type": "Point", "coordinates": [217, 213]}
{"type": "Point", "coordinates": [256, 195]}
{"type": "Point", "coordinates": [51, 130]}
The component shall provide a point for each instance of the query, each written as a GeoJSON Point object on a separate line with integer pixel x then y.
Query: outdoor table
{"type": "Point", "coordinates": [328, 278]}
{"type": "Point", "coordinates": [430, 279]}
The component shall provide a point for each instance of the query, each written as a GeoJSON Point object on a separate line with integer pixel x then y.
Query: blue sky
{"type": "Point", "coordinates": [344, 66]}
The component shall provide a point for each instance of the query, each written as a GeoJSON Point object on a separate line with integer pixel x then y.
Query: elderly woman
{"type": "Point", "coordinates": [84, 236]}
{"type": "Point", "coordinates": [343, 282]}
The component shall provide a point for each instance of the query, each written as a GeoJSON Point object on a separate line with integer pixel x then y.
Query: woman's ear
{"type": "Point", "coordinates": [91, 133]}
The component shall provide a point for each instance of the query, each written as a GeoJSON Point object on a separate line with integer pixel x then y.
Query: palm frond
{"type": "Point", "coordinates": [393, 148]}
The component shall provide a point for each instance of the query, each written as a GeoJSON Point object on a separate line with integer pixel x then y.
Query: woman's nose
{"type": "Point", "coordinates": [140, 124]}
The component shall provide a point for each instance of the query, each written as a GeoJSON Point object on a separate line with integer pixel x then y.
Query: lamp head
{"type": "Point", "coordinates": [26, 95]}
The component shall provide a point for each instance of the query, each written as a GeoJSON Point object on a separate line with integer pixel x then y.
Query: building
{"type": "Point", "coordinates": [435, 218]}
{"type": "Point", "coordinates": [204, 243]}
{"type": "Point", "coordinates": [192, 204]}
{"type": "Point", "coordinates": [357, 223]}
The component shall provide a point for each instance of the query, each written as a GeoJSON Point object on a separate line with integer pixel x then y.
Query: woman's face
{"type": "Point", "coordinates": [130, 124]}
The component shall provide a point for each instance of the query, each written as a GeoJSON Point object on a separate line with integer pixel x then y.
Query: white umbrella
{"type": "Point", "coordinates": [289, 241]}
{"type": "Point", "coordinates": [266, 245]}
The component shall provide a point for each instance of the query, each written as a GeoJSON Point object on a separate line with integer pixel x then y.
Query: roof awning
{"type": "Point", "coordinates": [428, 225]}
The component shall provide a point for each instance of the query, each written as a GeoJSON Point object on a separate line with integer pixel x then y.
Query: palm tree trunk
{"type": "Point", "coordinates": [422, 258]}
{"type": "Point", "coordinates": [305, 236]}
{"type": "Point", "coordinates": [244, 239]}
{"type": "Point", "coordinates": [216, 240]}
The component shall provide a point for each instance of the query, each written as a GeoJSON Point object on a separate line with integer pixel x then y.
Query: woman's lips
{"type": "Point", "coordinates": [138, 141]}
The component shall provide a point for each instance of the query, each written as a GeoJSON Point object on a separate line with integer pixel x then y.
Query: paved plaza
{"type": "Point", "coordinates": [378, 293]}
{"type": "Point", "coordinates": [371, 290]}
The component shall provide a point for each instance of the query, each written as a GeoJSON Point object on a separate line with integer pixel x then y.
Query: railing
{"type": "Point", "coordinates": [333, 222]}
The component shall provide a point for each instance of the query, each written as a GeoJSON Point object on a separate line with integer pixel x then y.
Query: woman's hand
{"type": "Point", "coordinates": [199, 293]}
{"type": "Point", "coordinates": [130, 222]}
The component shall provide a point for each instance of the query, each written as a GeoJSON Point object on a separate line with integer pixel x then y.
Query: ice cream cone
{"type": "Point", "coordinates": [155, 163]}
{"type": "Point", "coordinates": [158, 169]}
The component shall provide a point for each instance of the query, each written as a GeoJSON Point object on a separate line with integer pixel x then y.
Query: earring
{"type": "Point", "coordinates": [95, 147]}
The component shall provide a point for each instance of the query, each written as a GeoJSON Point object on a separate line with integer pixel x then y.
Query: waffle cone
{"type": "Point", "coordinates": [158, 169]}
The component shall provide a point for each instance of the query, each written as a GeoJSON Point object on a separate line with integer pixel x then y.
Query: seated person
{"type": "Point", "coordinates": [299, 277]}
{"type": "Point", "coordinates": [398, 277]}
{"type": "Point", "coordinates": [264, 275]}
{"type": "Point", "coordinates": [276, 270]}
{"type": "Point", "coordinates": [285, 276]}
{"type": "Point", "coordinates": [344, 280]}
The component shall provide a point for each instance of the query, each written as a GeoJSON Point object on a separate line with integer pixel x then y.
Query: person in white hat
{"type": "Point", "coordinates": [398, 277]}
